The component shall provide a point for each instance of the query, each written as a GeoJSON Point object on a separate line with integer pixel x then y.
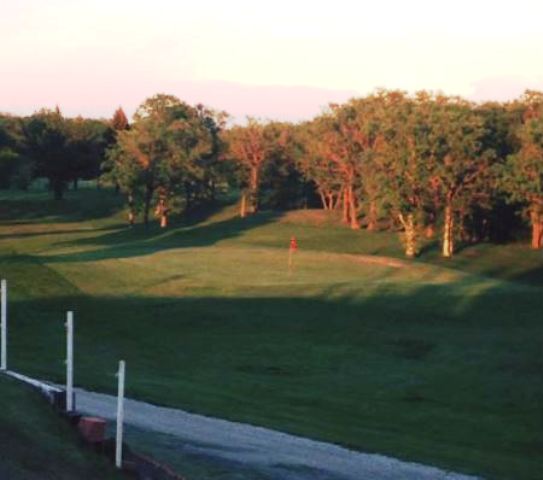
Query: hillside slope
{"type": "Point", "coordinates": [35, 444]}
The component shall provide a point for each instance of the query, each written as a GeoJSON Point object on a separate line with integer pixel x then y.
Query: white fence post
{"type": "Point", "coordinates": [4, 315]}
{"type": "Point", "coordinates": [120, 416]}
{"type": "Point", "coordinates": [69, 361]}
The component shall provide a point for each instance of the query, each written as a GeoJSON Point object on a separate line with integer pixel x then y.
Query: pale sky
{"type": "Point", "coordinates": [275, 59]}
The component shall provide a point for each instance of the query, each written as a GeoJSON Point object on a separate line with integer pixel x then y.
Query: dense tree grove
{"type": "Point", "coordinates": [425, 165]}
{"type": "Point", "coordinates": [46, 144]}
{"type": "Point", "coordinates": [170, 149]}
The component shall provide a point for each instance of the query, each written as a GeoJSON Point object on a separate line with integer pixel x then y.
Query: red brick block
{"type": "Point", "coordinates": [92, 429]}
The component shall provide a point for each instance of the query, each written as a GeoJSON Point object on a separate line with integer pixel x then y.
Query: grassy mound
{"type": "Point", "coordinates": [432, 361]}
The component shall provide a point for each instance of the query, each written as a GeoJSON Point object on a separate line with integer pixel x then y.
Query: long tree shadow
{"type": "Point", "coordinates": [48, 232]}
{"type": "Point", "coordinates": [139, 241]}
{"type": "Point", "coordinates": [77, 206]}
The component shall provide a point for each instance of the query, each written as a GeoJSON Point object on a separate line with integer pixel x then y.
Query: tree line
{"type": "Point", "coordinates": [426, 165]}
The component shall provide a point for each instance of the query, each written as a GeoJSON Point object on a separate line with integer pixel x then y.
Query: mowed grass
{"type": "Point", "coordinates": [35, 444]}
{"type": "Point", "coordinates": [431, 361]}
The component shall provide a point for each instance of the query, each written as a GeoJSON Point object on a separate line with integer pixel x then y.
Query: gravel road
{"type": "Point", "coordinates": [279, 455]}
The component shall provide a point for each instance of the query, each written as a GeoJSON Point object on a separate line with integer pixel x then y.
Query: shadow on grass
{"type": "Point", "coordinates": [47, 232]}
{"type": "Point", "coordinates": [77, 206]}
{"type": "Point", "coordinates": [138, 241]}
{"type": "Point", "coordinates": [416, 376]}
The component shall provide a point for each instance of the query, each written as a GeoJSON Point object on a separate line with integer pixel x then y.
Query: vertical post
{"type": "Point", "coordinates": [120, 416]}
{"type": "Point", "coordinates": [4, 315]}
{"type": "Point", "coordinates": [69, 361]}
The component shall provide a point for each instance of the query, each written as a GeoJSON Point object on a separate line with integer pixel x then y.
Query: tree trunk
{"type": "Point", "coordinates": [253, 189]}
{"type": "Point", "coordinates": [75, 183]}
{"type": "Point", "coordinates": [345, 218]}
{"type": "Point", "coordinates": [430, 230]}
{"type": "Point", "coordinates": [131, 213]}
{"type": "Point", "coordinates": [323, 200]}
{"type": "Point", "coordinates": [164, 220]}
{"type": "Point", "coordinates": [448, 234]}
{"type": "Point", "coordinates": [147, 205]}
{"type": "Point", "coordinates": [117, 188]}
{"type": "Point", "coordinates": [372, 216]}
{"type": "Point", "coordinates": [212, 190]}
{"type": "Point", "coordinates": [335, 204]}
{"type": "Point", "coordinates": [410, 240]}
{"type": "Point", "coordinates": [464, 233]}
{"type": "Point", "coordinates": [243, 205]}
{"type": "Point", "coordinates": [58, 189]}
{"type": "Point", "coordinates": [353, 214]}
{"type": "Point", "coordinates": [537, 228]}
{"type": "Point", "coordinates": [162, 212]}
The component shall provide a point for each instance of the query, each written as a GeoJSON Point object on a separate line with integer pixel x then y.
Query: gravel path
{"type": "Point", "coordinates": [281, 456]}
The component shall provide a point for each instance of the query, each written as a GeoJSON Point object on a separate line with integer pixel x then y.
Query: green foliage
{"type": "Point", "coordinates": [47, 143]}
{"type": "Point", "coordinates": [88, 141]}
{"type": "Point", "coordinates": [523, 173]}
{"type": "Point", "coordinates": [171, 148]}
{"type": "Point", "coordinates": [16, 170]}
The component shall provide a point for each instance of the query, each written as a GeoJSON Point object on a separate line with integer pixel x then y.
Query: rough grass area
{"type": "Point", "coordinates": [432, 361]}
{"type": "Point", "coordinates": [35, 444]}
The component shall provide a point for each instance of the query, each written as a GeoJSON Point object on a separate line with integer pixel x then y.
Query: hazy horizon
{"type": "Point", "coordinates": [285, 61]}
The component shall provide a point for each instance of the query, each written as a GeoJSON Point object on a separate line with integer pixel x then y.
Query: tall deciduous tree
{"type": "Point", "coordinates": [523, 172]}
{"type": "Point", "coordinates": [164, 151]}
{"type": "Point", "coordinates": [461, 169]}
{"type": "Point", "coordinates": [119, 121]}
{"type": "Point", "coordinates": [313, 160]}
{"type": "Point", "coordinates": [88, 140]}
{"type": "Point", "coordinates": [47, 143]}
{"type": "Point", "coordinates": [249, 146]}
{"type": "Point", "coordinates": [361, 124]}
{"type": "Point", "coordinates": [404, 160]}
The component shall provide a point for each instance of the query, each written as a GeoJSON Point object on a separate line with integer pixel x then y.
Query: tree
{"type": "Point", "coordinates": [341, 152]}
{"type": "Point", "coordinates": [361, 125]}
{"type": "Point", "coordinates": [119, 121]}
{"type": "Point", "coordinates": [523, 172]}
{"type": "Point", "coordinates": [249, 146]}
{"type": "Point", "coordinates": [313, 159]}
{"type": "Point", "coordinates": [8, 154]}
{"type": "Point", "coordinates": [166, 150]}
{"type": "Point", "coordinates": [47, 143]}
{"type": "Point", "coordinates": [404, 161]}
{"type": "Point", "coordinates": [88, 140]}
{"type": "Point", "coordinates": [460, 168]}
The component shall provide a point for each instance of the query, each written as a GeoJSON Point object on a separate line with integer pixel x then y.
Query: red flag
{"type": "Point", "coordinates": [293, 244]}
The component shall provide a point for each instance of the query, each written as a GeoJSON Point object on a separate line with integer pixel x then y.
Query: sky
{"type": "Point", "coordinates": [283, 60]}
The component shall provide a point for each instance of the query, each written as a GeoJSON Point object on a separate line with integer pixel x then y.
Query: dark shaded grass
{"type": "Point", "coordinates": [390, 373]}
{"type": "Point", "coordinates": [35, 444]}
{"type": "Point", "coordinates": [39, 206]}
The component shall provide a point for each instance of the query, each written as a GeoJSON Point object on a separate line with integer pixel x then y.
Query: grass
{"type": "Point", "coordinates": [435, 361]}
{"type": "Point", "coordinates": [36, 445]}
